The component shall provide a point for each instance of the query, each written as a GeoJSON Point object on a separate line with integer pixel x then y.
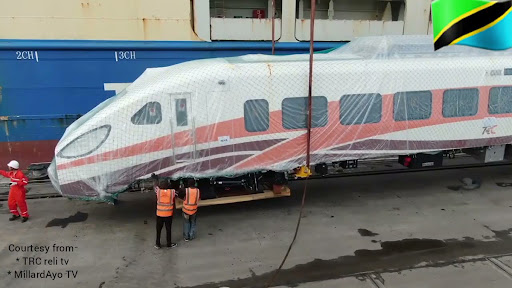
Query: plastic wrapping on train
{"type": "Point", "coordinates": [374, 97]}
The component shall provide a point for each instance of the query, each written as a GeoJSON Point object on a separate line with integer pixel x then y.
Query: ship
{"type": "Point", "coordinates": [59, 60]}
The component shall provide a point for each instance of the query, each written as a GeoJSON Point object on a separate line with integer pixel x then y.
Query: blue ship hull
{"type": "Point", "coordinates": [46, 85]}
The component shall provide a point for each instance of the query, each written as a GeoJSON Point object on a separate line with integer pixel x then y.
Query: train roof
{"type": "Point", "coordinates": [364, 48]}
{"type": "Point", "coordinates": [381, 47]}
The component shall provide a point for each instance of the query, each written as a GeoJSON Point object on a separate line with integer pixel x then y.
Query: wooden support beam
{"type": "Point", "coordinates": [267, 194]}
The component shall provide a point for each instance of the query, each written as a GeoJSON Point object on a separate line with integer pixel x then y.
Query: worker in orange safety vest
{"type": "Point", "coordinates": [165, 206]}
{"type": "Point", "coordinates": [190, 198]}
{"type": "Point", "coordinates": [17, 191]}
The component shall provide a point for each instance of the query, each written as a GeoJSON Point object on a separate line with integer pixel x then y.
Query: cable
{"type": "Point", "coordinates": [310, 98]}
{"type": "Point", "coordinates": [310, 88]}
{"type": "Point", "coordinates": [273, 25]}
{"type": "Point", "coordinates": [294, 236]}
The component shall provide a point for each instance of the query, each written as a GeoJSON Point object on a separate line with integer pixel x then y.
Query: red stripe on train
{"type": "Point", "coordinates": [333, 134]}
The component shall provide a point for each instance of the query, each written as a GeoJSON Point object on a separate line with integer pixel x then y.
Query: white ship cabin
{"type": "Point", "coordinates": [213, 20]}
{"type": "Point", "coordinates": [335, 20]}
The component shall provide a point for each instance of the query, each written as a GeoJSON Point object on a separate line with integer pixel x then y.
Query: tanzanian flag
{"type": "Point", "coordinates": [477, 23]}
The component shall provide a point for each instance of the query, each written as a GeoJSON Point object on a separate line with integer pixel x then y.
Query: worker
{"type": "Point", "coordinates": [165, 206]}
{"type": "Point", "coordinates": [17, 192]}
{"type": "Point", "coordinates": [190, 198]}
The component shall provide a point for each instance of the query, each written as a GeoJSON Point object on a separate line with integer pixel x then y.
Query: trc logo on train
{"type": "Point", "coordinates": [490, 125]}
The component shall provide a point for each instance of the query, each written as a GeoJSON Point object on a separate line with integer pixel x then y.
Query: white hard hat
{"type": "Point", "coordinates": [14, 164]}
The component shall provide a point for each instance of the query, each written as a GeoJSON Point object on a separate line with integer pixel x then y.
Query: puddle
{"type": "Point", "coordinates": [502, 184]}
{"type": "Point", "coordinates": [63, 222]}
{"type": "Point", "coordinates": [366, 233]}
{"type": "Point", "coordinates": [393, 256]}
{"type": "Point", "coordinates": [403, 246]}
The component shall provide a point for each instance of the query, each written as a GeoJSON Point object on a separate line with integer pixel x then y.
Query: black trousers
{"type": "Point", "coordinates": [159, 225]}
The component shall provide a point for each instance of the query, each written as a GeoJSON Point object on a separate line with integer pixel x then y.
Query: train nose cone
{"type": "Point", "coordinates": [52, 174]}
{"type": "Point", "coordinates": [67, 172]}
{"type": "Point", "coordinates": [76, 187]}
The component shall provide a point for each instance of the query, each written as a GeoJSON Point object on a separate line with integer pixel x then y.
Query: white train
{"type": "Point", "coordinates": [373, 97]}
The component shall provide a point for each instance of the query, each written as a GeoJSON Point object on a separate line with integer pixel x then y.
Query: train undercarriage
{"type": "Point", "coordinates": [274, 184]}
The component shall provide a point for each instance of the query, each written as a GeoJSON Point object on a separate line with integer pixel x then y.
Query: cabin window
{"type": "Point", "coordinates": [256, 115]}
{"type": "Point", "coordinates": [360, 109]}
{"type": "Point", "coordinates": [181, 112]}
{"type": "Point", "coordinates": [460, 102]}
{"type": "Point", "coordinates": [500, 100]}
{"type": "Point", "coordinates": [149, 114]}
{"type": "Point", "coordinates": [295, 112]}
{"type": "Point", "coordinates": [412, 105]}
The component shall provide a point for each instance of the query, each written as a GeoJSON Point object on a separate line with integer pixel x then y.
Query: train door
{"type": "Point", "coordinates": [182, 128]}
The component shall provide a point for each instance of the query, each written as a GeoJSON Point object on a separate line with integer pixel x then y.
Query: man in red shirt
{"type": "Point", "coordinates": [17, 191]}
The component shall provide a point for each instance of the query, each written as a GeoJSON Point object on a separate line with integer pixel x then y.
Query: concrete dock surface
{"type": "Point", "coordinates": [396, 230]}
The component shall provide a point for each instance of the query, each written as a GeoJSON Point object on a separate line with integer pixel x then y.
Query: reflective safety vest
{"type": "Point", "coordinates": [165, 202]}
{"type": "Point", "coordinates": [191, 200]}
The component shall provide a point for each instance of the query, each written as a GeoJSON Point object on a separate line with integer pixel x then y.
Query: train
{"type": "Point", "coordinates": [376, 96]}
{"type": "Point", "coordinates": [65, 59]}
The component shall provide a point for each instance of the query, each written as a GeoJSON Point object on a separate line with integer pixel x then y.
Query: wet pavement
{"type": "Point", "coordinates": [394, 230]}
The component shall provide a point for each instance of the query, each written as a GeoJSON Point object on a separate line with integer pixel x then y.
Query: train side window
{"type": "Point", "coordinates": [256, 115]}
{"type": "Point", "coordinates": [181, 112]}
{"type": "Point", "coordinates": [360, 109]}
{"type": "Point", "coordinates": [500, 100]}
{"type": "Point", "coordinates": [149, 114]}
{"type": "Point", "coordinates": [295, 112]}
{"type": "Point", "coordinates": [412, 105]}
{"type": "Point", "coordinates": [460, 102]}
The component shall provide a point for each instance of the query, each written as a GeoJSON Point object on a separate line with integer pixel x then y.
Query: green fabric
{"type": "Point", "coordinates": [445, 11]}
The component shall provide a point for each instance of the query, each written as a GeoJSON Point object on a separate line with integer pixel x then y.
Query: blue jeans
{"type": "Point", "coordinates": [189, 226]}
